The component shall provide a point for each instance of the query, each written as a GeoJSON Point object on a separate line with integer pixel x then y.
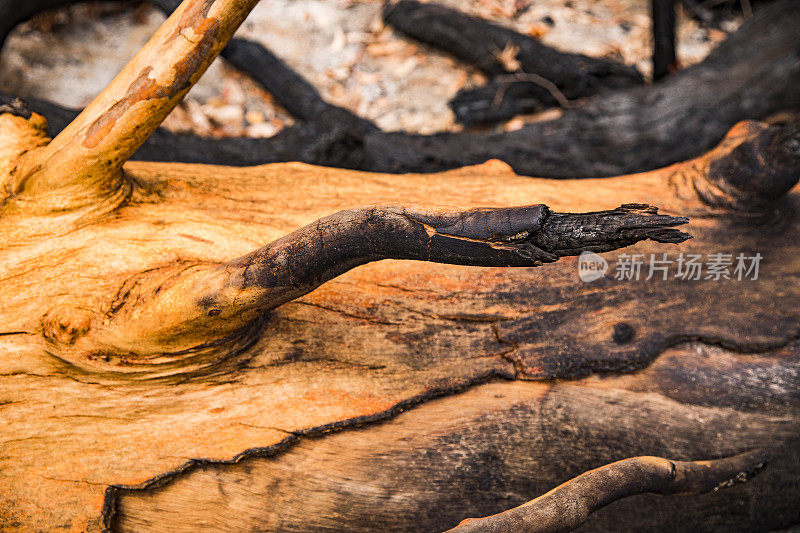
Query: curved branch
{"type": "Point", "coordinates": [747, 174]}
{"type": "Point", "coordinates": [569, 505]}
{"type": "Point", "coordinates": [182, 308]}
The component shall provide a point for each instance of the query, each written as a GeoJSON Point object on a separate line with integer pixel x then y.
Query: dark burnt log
{"type": "Point", "coordinates": [665, 60]}
{"type": "Point", "coordinates": [481, 43]}
{"type": "Point", "coordinates": [751, 75]}
{"type": "Point", "coordinates": [634, 129]}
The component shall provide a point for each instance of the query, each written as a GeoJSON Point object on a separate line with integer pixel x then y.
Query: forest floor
{"type": "Point", "coordinates": [340, 46]}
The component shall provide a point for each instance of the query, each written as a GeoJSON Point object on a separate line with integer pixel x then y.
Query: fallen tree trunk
{"type": "Point", "coordinates": [751, 75]}
{"type": "Point", "coordinates": [385, 338]}
{"type": "Point", "coordinates": [176, 354]}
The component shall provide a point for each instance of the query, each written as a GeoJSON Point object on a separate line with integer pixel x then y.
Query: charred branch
{"type": "Point", "coordinates": [665, 60]}
{"type": "Point", "coordinates": [181, 311]}
{"type": "Point", "coordinates": [481, 43]}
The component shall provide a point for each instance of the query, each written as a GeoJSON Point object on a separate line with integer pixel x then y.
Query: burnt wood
{"type": "Point", "coordinates": [751, 75]}
{"type": "Point", "coordinates": [665, 60]}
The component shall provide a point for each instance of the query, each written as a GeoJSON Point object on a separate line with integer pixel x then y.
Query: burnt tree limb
{"type": "Point", "coordinates": [498, 51]}
{"type": "Point", "coordinates": [482, 43]}
{"type": "Point", "coordinates": [504, 97]}
{"type": "Point", "coordinates": [750, 75]}
{"type": "Point", "coordinates": [211, 305]}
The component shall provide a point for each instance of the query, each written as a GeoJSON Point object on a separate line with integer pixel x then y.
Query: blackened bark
{"type": "Point", "coordinates": [504, 97]}
{"type": "Point", "coordinates": [480, 43]}
{"type": "Point", "coordinates": [515, 236]}
{"type": "Point", "coordinates": [664, 59]}
{"type": "Point", "coordinates": [751, 75]}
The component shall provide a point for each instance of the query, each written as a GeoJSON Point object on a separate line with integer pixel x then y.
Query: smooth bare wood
{"type": "Point", "coordinates": [498, 445]}
{"type": "Point", "coordinates": [83, 161]}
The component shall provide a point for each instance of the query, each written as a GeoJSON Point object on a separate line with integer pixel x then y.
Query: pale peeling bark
{"type": "Point", "coordinates": [83, 162]}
